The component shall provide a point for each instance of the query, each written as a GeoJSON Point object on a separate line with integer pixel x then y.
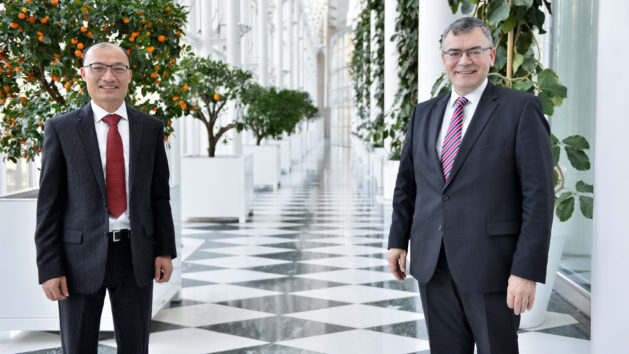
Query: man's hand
{"type": "Point", "coordinates": [397, 262]}
{"type": "Point", "coordinates": [56, 288]}
{"type": "Point", "coordinates": [163, 269]}
{"type": "Point", "coordinates": [520, 294]}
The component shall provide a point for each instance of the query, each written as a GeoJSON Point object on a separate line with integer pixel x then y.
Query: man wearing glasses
{"type": "Point", "coordinates": [104, 221]}
{"type": "Point", "coordinates": [474, 198]}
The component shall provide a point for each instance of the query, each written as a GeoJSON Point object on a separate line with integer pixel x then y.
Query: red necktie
{"type": "Point", "coordinates": [452, 141]}
{"type": "Point", "coordinates": [114, 168]}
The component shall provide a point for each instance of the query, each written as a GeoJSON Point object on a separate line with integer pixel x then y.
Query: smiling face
{"type": "Point", "coordinates": [108, 90]}
{"type": "Point", "coordinates": [467, 74]}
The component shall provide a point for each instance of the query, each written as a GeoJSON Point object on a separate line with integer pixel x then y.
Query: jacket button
{"type": "Point", "coordinates": [445, 197]}
{"type": "Point", "coordinates": [440, 227]}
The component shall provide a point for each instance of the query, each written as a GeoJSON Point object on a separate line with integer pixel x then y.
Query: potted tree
{"type": "Point", "coordinates": [42, 44]}
{"type": "Point", "coordinates": [212, 186]}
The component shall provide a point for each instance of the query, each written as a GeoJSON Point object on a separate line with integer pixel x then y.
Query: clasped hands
{"type": "Point", "coordinates": [520, 291]}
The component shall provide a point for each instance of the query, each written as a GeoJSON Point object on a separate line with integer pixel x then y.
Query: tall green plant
{"type": "Point", "coordinates": [405, 37]}
{"type": "Point", "coordinates": [367, 69]}
{"type": "Point", "coordinates": [42, 44]}
{"type": "Point", "coordinates": [514, 26]}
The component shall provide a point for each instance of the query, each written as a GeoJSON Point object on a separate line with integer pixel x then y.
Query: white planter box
{"type": "Point", "coordinates": [285, 154]}
{"type": "Point", "coordinates": [377, 156]}
{"type": "Point", "coordinates": [217, 187]}
{"type": "Point", "coordinates": [296, 148]}
{"type": "Point", "coordinates": [23, 305]}
{"type": "Point", "coordinates": [266, 164]}
{"type": "Point", "coordinates": [389, 175]}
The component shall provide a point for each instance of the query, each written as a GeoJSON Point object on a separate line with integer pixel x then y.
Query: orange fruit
{"type": "Point", "coordinates": [14, 25]}
{"type": "Point", "coordinates": [150, 49]}
{"type": "Point", "coordinates": [126, 20]}
{"type": "Point", "coordinates": [83, 29]}
{"type": "Point", "coordinates": [175, 98]}
{"type": "Point", "coordinates": [54, 2]}
{"type": "Point", "coordinates": [67, 85]}
{"type": "Point", "coordinates": [161, 38]}
{"type": "Point", "coordinates": [217, 97]}
{"type": "Point", "coordinates": [32, 19]}
{"type": "Point", "coordinates": [44, 20]}
{"type": "Point", "coordinates": [154, 75]}
{"type": "Point", "coordinates": [89, 34]}
{"type": "Point", "coordinates": [74, 41]}
{"type": "Point", "coordinates": [21, 16]}
{"type": "Point", "coordinates": [185, 87]}
{"type": "Point", "coordinates": [80, 46]}
{"type": "Point", "coordinates": [78, 53]}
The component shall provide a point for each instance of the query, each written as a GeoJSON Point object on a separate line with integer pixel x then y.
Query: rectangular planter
{"type": "Point", "coordinates": [389, 175]}
{"type": "Point", "coordinates": [266, 164]}
{"type": "Point", "coordinates": [23, 305]}
{"type": "Point", "coordinates": [285, 154]}
{"type": "Point", "coordinates": [217, 187]}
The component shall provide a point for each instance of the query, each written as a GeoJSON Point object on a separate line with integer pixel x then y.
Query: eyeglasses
{"type": "Point", "coordinates": [473, 53]}
{"type": "Point", "coordinates": [98, 68]}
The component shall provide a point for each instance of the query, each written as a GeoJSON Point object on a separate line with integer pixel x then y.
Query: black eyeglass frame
{"type": "Point", "coordinates": [108, 66]}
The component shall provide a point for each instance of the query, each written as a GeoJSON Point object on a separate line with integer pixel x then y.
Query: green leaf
{"type": "Point", "coordinates": [557, 90]}
{"type": "Point", "coordinates": [518, 59]}
{"type": "Point", "coordinates": [555, 177]}
{"type": "Point", "coordinates": [564, 206]}
{"type": "Point", "coordinates": [466, 7]}
{"type": "Point", "coordinates": [578, 159]}
{"type": "Point", "coordinates": [546, 78]}
{"type": "Point", "coordinates": [526, 3]}
{"type": "Point", "coordinates": [584, 187]}
{"type": "Point", "coordinates": [509, 24]}
{"type": "Point", "coordinates": [498, 11]}
{"type": "Point", "coordinates": [556, 153]}
{"type": "Point", "coordinates": [547, 104]}
{"type": "Point", "coordinates": [587, 206]}
{"type": "Point", "coordinates": [523, 85]}
{"type": "Point", "coordinates": [553, 139]}
{"type": "Point", "coordinates": [576, 142]}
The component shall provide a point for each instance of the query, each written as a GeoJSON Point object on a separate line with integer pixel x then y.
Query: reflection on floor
{"type": "Point", "coordinates": [307, 274]}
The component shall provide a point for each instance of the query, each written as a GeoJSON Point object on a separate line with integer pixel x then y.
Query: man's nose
{"type": "Point", "coordinates": [109, 73]}
{"type": "Point", "coordinates": [465, 58]}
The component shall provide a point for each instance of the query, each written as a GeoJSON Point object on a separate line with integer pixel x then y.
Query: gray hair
{"type": "Point", "coordinates": [467, 24]}
{"type": "Point", "coordinates": [104, 45]}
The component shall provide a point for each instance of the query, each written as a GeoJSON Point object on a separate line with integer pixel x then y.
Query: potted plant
{"type": "Point", "coordinates": [42, 44]}
{"type": "Point", "coordinates": [212, 187]}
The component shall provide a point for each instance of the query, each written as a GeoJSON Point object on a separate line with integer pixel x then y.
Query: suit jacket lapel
{"type": "Point", "coordinates": [87, 133]}
{"type": "Point", "coordinates": [482, 115]}
{"type": "Point", "coordinates": [436, 120]}
{"type": "Point", "coordinates": [135, 137]}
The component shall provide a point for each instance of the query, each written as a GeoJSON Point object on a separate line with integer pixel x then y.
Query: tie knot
{"type": "Point", "coordinates": [461, 101]}
{"type": "Point", "coordinates": [112, 119]}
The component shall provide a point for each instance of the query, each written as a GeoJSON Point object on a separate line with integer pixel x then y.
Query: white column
{"type": "Point", "coordinates": [300, 49]}
{"type": "Point", "coordinates": [3, 176]}
{"type": "Point", "coordinates": [279, 23]}
{"type": "Point", "coordinates": [434, 17]}
{"type": "Point", "coordinates": [206, 28]}
{"type": "Point", "coordinates": [373, 105]}
{"type": "Point", "coordinates": [391, 79]}
{"type": "Point", "coordinates": [610, 251]}
{"type": "Point", "coordinates": [291, 43]}
{"type": "Point", "coordinates": [234, 59]}
{"type": "Point", "coordinates": [263, 39]}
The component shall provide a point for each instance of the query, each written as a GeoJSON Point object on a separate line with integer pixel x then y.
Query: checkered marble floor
{"type": "Point", "coordinates": [307, 274]}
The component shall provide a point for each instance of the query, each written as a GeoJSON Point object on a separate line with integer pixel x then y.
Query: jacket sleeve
{"type": "Point", "coordinates": [535, 169]}
{"type": "Point", "coordinates": [50, 205]}
{"type": "Point", "coordinates": [404, 194]}
{"type": "Point", "coordinates": [160, 201]}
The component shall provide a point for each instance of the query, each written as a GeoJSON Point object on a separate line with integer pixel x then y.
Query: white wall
{"type": "Point", "coordinates": [611, 238]}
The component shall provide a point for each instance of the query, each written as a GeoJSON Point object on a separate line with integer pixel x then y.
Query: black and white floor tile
{"type": "Point", "coordinates": [307, 274]}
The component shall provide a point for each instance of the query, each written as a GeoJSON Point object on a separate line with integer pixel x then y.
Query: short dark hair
{"type": "Point", "coordinates": [104, 45]}
{"type": "Point", "coordinates": [467, 24]}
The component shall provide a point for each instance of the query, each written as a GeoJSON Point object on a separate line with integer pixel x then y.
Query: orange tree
{"type": "Point", "coordinates": [204, 89]}
{"type": "Point", "coordinates": [42, 44]}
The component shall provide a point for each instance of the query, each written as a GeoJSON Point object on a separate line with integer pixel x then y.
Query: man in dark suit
{"type": "Point", "coordinates": [474, 197]}
{"type": "Point", "coordinates": [103, 213]}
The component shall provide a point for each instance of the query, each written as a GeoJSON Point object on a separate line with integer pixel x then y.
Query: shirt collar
{"type": "Point", "coordinates": [473, 97]}
{"type": "Point", "coordinates": [100, 113]}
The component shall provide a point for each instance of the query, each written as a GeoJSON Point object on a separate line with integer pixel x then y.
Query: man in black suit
{"type": "Point", "coordinates": [474, 197]}
{"type": "Point", "coordinates": [103, 213]}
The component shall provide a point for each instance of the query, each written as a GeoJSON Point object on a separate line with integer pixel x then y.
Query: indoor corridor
{"type": "Point", "coordinates": [306, 274]}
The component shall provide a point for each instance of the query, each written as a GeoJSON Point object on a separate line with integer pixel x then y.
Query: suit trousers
{"type": "Point", "coordinates": [456, 320]}
{"type": "Point", "coordinates": [131, 305]}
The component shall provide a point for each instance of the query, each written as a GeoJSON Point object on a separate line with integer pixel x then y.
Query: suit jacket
{"type": "Point", "coordinates": [494, 213]}
{"type": "Point", "coordinates": [72, 217]}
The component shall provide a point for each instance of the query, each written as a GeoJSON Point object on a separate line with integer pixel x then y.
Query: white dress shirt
{"type": "Point", "coordinates": [102, 128]}
{"type": "Point", "coordinates": [468, 112]}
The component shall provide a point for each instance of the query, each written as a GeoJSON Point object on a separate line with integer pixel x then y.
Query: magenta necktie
{"type": "Point", "coordinates": [452, 141]}
{"type": "Point", "coordinates": [114, 168]}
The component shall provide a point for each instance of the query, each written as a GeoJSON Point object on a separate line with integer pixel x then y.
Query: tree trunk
{"type": "Point", "coordinates": [258, 140]}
